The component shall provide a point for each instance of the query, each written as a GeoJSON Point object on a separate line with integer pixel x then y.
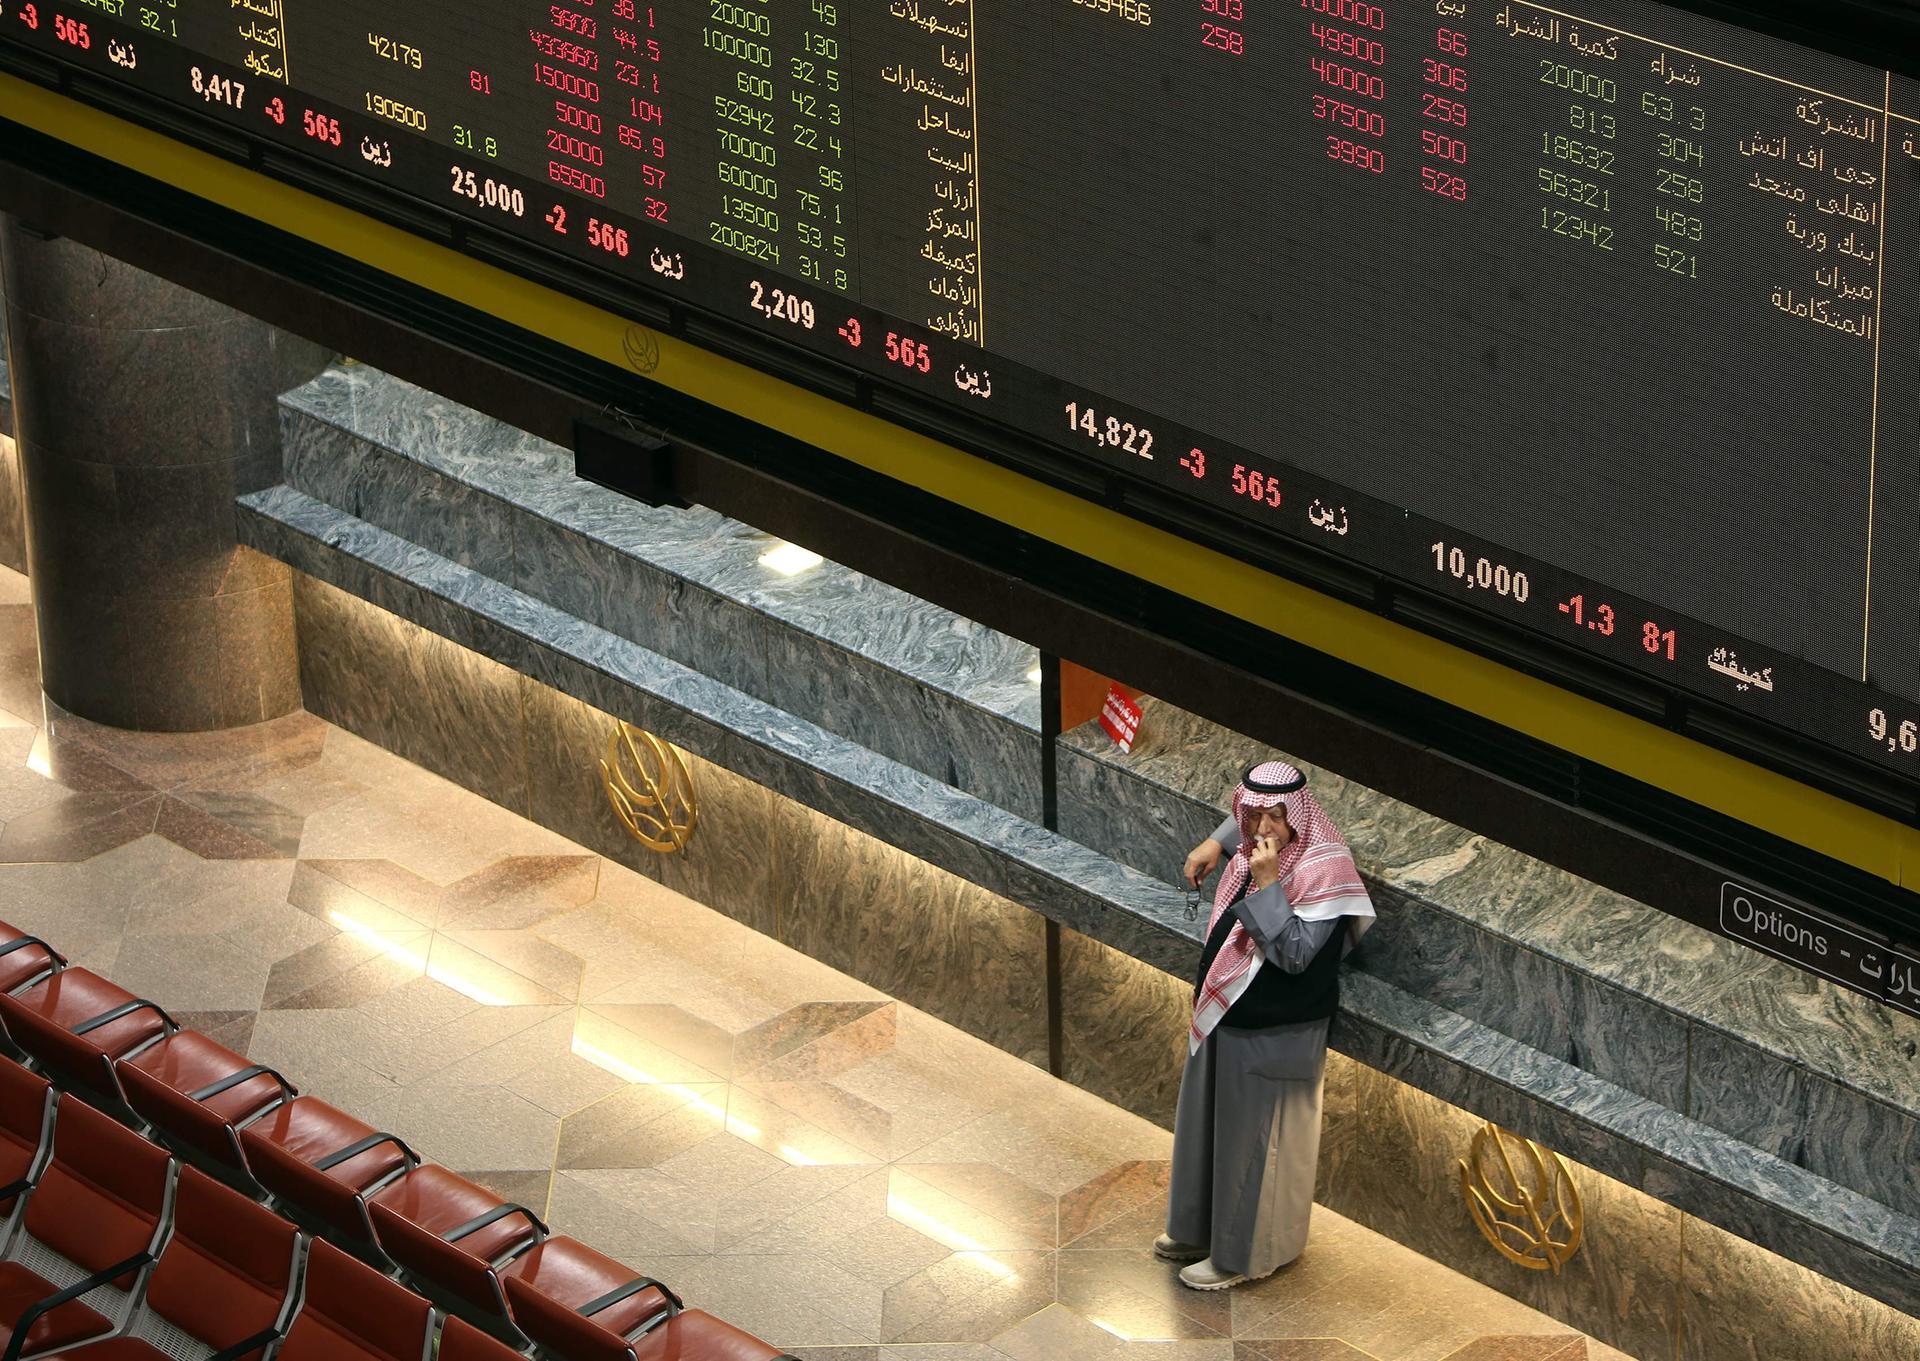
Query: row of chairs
{"type": "Point", "coordinates": [143, 1184]}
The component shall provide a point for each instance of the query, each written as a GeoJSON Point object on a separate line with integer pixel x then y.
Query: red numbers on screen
{"type": "Point", "coordinates": [576, 117]}
{"type": "Point", "coordinates": [320, 127]}
{"type": "Point", "coordinates": [1349, 36]}
{"type": "Point", "coordinates": [276, 109]}
{"type": "Point", "coordinates": [1356, 12]}
{"type": "Point", "coordinates": [1450, 75]}
{"type": "Point", "coordinates": [480, 82]}
{"type": "Point", "coordinates": [578, 148]}
{"type": "Point", "coordinates": [571, 21]}
{"type": "Point", "coordinates": [1218, 31]}
{"type": "Point", "coordinates": [1223, 39]}
{"type": "Point", "coordinates": [1352, 153]}
{"type": "Point", "coordinates": [1657, 641]}
{"type": "Point", "coordinates": [909, 354]}
{"type": "Point", "coordinates": [1256, 485]}
{"type": "Point", "coordinates": [70, 31]}
{"type": "Point", "coordinates": [1343, 77]}
{"type": "Point", "coordinates": [635, 140]}
{"type": "Point", "coordinates": [611, 239]}
{"type": "Point", "coordinates": [30, 16]}
{"type": "Point", "coordinates": [1342, 114]}
{"type": "Point", "coordinates": [1195, 461]}
{"type": "Point", "coordinates": [1370, 50]}
{"type": "Point", "coordinates": [573, 177]}
{"type": "Point", "coordinates": [567, 82]}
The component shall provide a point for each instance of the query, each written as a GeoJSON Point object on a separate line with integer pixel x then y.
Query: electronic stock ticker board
{"type": "Point", "coordinates": [1600, 318]}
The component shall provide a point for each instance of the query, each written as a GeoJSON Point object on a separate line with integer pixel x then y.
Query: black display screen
{"type": "Point", "coordinates": [1602, 319]}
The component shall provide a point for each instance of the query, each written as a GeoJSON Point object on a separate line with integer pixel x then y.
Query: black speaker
{"type": "Point", "coordinates": [626, 459]}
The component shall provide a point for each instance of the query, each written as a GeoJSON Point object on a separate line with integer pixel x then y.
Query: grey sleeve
{"type": "Point", "coordinates": [1285, 940]}
{"type": "Point", "coordinates": [1228, 835]}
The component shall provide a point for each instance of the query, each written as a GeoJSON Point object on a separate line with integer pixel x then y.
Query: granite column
{"type": "Point", "coordinates": [141, 411]}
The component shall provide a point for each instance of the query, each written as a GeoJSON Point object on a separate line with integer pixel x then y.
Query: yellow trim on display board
{"type": "Point", "coordinates": [1643, 751]}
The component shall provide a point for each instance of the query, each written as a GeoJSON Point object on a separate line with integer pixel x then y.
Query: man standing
{"type": "Point", "coordinates": [1246, 1135]}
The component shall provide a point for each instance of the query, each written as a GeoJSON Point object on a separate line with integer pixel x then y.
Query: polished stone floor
{"type": "Point", "coordinates": [846, 1176]}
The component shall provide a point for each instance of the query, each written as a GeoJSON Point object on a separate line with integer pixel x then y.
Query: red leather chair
{"type": "Point", "coordinates": [75, 1023]}
{"type": "Point", "coordinates": [26, 1130]}
{"type": "Point", "coordinates": [225, 1279]}
{"type": "Point", "coordinates": [174, 1088]}
{"type": "Point", "coordinates": [320, 1164]}
{"type": "Point", "coordinates": [25, 959]}
{"type": "Point", "coordinates": [350, 1312]}
{"type": "Point", "coordinates": [98, 1211]}
{"type": "Point", "coordinates": [87, 1033]}
{"type": "Point", "coordinates": [581, 1305]}
{"type": "Point", "coordinates": [443, 1231]}
{"type": "Point", "coordinates": [461, 1341]}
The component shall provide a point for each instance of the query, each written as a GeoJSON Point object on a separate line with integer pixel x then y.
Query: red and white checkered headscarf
{"type": "Point", "coordinates": [1316, 872]}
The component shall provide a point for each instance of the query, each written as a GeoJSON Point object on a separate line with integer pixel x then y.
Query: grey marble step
{"type": "Point", "coordinates": [1805, 1071]}
{"type": "Point", "coordinates": [934, 691]}
{"type": "Point", "coordinates": [1646, 1143]}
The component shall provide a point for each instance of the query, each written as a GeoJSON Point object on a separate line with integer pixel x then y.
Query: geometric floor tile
{"type": "Point", "coordinates": [1551, 1347]}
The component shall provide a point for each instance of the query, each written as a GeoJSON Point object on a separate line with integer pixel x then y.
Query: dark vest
{"type": "Point", "coordinates": [1276, 997]}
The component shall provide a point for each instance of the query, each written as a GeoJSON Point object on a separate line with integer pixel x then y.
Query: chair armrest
{"type": "Point", "coordinates": [22, 942]}
{"type": "Point", "coordinates": [14, 1188]}
{"type": "Point", "coordinates": [287, 1090]}
{"type": "Point", "coordinates": [359, 1146]}
{"type": "Point", "coordinates": [241, 1348]}
{"type": "Point", "coordinates": [126, 1009]}
{"type": "Point", "coordinates": [494, 1216]}
{"type": "Point", "coordinates": [627, 1291]}
{"type": "Point", "coordinates": [18, 1342]}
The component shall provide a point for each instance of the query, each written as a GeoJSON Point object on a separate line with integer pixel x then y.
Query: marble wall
{"type": "Point", "coordinates": [1658, 1284]}
{"type": "Point", "coordinates": [1123, 1027]}
{"type": "Point", "coordinates": [919, 684]}
{"type": "Point", "coordinates": [926, 936]}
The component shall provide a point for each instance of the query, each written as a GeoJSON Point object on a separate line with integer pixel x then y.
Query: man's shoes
{"type": "Point", "coordinates": [1171, 1249]}
{"type": "Point", "coordinates": [1204, 1275]}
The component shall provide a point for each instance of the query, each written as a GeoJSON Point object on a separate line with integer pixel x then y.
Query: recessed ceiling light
{"type": "Point", "coordinates": [1034, 675]}
{"type": "Point", "coordinates": [789, 559]}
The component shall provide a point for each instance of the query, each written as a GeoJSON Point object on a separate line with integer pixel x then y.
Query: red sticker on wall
{"type": "Point", "coordinates": [1120, 716]}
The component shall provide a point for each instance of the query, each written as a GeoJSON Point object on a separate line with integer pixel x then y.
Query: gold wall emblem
{"type": "Point", "coordinates": [1523, 1198]}
{"type": "Point", "coordinates": [650, 789]}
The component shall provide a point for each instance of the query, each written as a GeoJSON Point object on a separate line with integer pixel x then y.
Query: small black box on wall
{"type": "Point", "coordinates": [621, 458]}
